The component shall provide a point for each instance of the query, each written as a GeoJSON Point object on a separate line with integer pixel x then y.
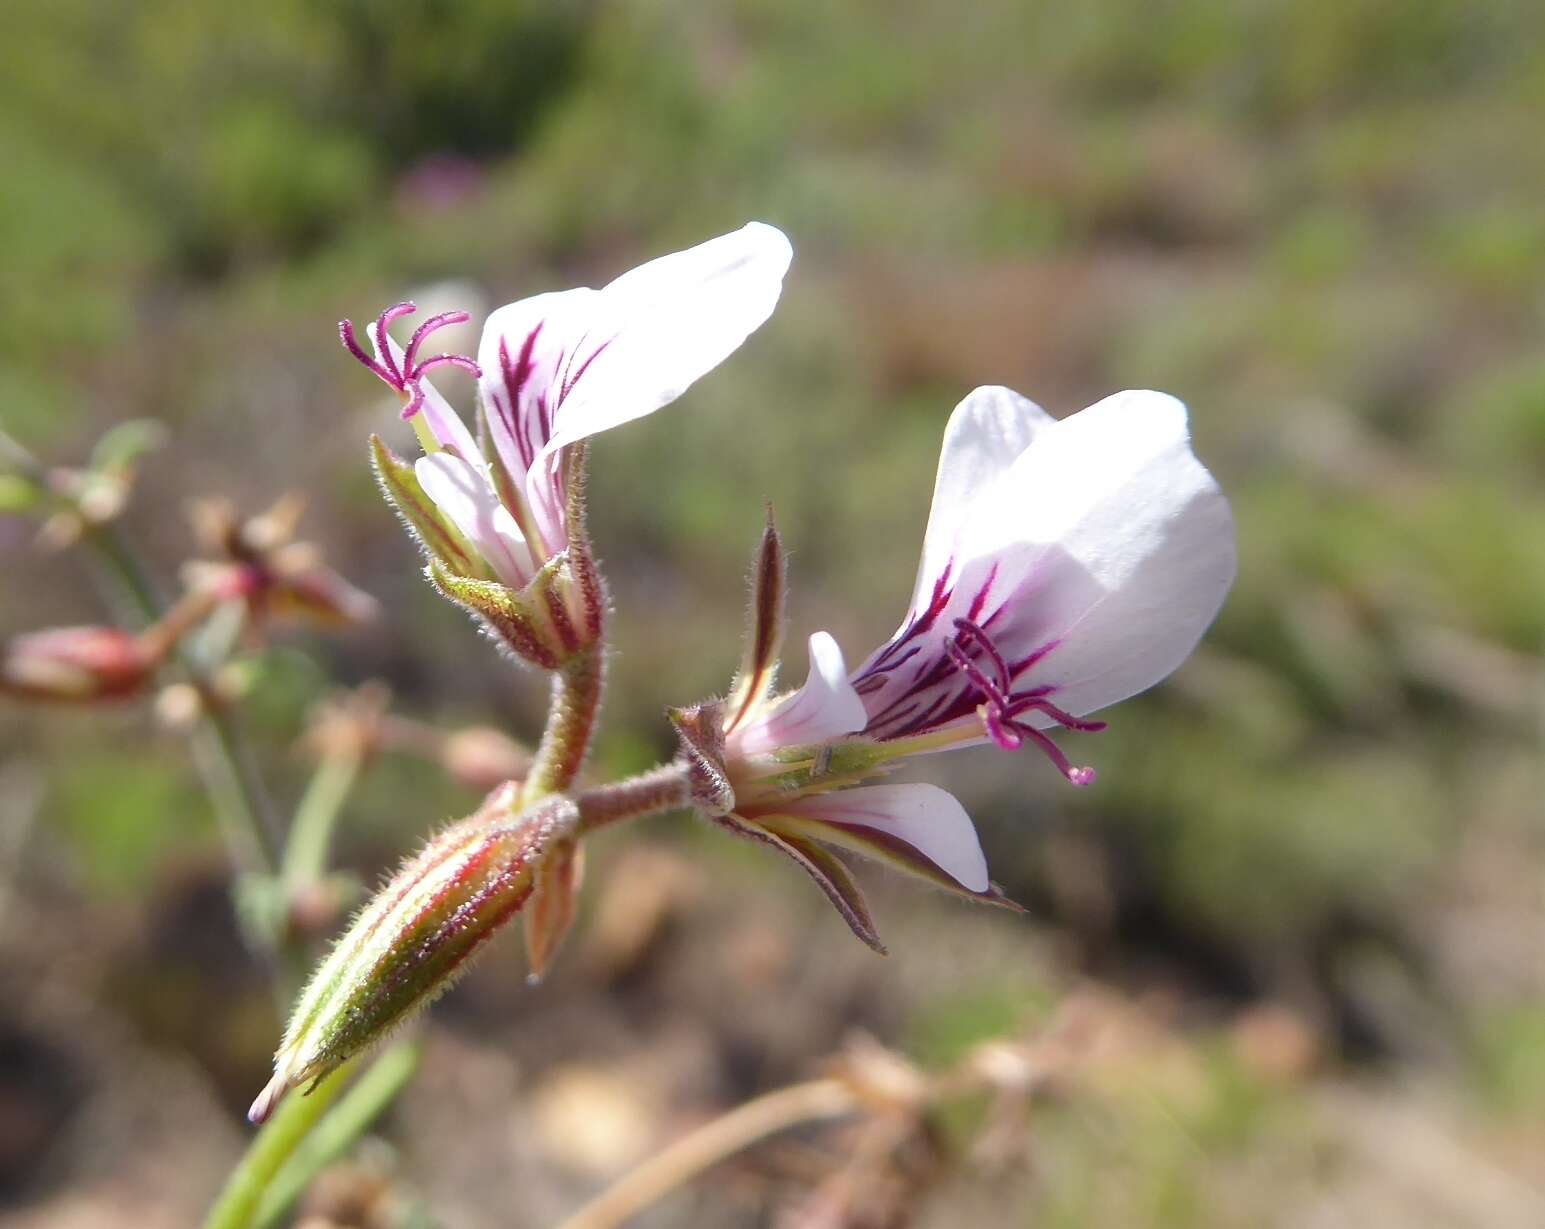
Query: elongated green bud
{"type": "Point", "coordinates": [413, 939]}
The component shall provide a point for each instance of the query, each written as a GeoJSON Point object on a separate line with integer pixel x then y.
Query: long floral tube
{"type": "Point", "coordinates": [421, 929]}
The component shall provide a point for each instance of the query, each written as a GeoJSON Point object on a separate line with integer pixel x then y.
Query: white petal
{"type": "Point", "coordinates": [825, 708]}
{"type": "Point", "coordinates": [665, 324]}
{"type": "Point", "coordinates": [464, 494]}
{"type": "Point", "coordinates": [444, 423]}
{"type": "Point", "coordinates": [929, 819]}
{"type": "Point", "coordinates": [525, 346]}
{"type": "Point", "coordinates": [986, 434]}
{"type": "Point", "coordinates": [1119, 544]}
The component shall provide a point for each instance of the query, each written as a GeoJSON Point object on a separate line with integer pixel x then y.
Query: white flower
{"type": "Point", "coordinates": [560, 367]}
{"type": "Point", "coordinates": [1066, 566]}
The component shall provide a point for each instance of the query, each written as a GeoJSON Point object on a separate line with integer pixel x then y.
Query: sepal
{"type": "Point", "coordinates": [883, 847]}
{"type": "Point", "coordinates": [533, 623]}
{"type": "Point", "coordinates": [550, 911]}
{"type": "Point", "coordinates": [828, 871]}
{"type": "Point", "coordinates": [764, 628]}
{"type": "Point", "coordinates": [700, 732]}
{"type": "Point", "coordinates": [433, 530]}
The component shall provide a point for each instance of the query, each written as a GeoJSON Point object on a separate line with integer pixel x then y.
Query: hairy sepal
{"type": "Point", "coordinates": [828, 871]}
{"type": "Point", "coordinates": [764, 628]}
{"type": "Point", "coordinates": [700, 733]}
{"type": "Point", "coordinates": [441, 540]}
{"type": "Point", "coordinates": [881, 847]}
{"type": "Point", "coordinates": [534, 623]}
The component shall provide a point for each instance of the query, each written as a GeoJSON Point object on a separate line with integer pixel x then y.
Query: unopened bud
{"type": "Point", "coordinates": [417, 933]}
{"type": "Point", "coordinates": [75, 663]}
{"type": "Point", "coordinates": [481, 757]}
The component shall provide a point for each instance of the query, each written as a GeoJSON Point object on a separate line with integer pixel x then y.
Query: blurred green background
{"type": "Point", "coordinates": [1318, 223]}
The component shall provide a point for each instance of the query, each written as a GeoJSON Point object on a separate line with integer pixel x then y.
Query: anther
{"type": "Point", "coordinates": [406, 378]}
{"type": "Point", "coordinates": [1001, 708]}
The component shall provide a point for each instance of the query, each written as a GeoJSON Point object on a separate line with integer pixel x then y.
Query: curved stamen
{"type": "Point", "coordinates": [351, 344]}
{"type": "Point", "coordinates": [965, 629]}
{"type": "Point", "coordinates": [406, 378]}
{"type": "Point", "coordinates": [384, 321]}
{"type": "Point", "coordinates": [1001, 708]}
{"type": "Point", "coordinates": [424, 330]}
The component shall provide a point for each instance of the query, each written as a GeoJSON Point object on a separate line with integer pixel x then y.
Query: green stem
{"type": "Point", "coordinates": [571, 718]}
{"type": "Point", "coordinates": [332, 1137]}
{"type": "Point", "coordinates": [272, 1147]}
{"type": "Point", "coordinates": [311, 833]}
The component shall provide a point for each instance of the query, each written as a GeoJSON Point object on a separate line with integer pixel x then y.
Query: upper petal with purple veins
{"type": "Point", "coordinates": [561, 367]}
{"type": "Point", "coordinates": [1068, 565]}
{"type": "Point", "coordinates": [985, 436]}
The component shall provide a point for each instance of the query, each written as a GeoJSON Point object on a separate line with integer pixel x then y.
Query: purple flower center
{"type": "Point", "coordinates": [406, 377]}
{"type": "Point", "coordinates": [973, 653]}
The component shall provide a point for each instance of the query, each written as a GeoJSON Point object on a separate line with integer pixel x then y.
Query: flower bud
{"type": "Point", "coordinates": [75, 663]}
{"type": "Point", "coordinates": [416, 935]}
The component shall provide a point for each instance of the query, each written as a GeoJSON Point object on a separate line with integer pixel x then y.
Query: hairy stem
{"type": "Point", "coordinates": [710, 1144]}
{"type": "Point", "coordinates": [571, 718]}
{"type": "Point", "coordinates": [666, 788]}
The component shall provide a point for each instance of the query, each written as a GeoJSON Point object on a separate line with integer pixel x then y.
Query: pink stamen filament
{"type": "Point", "coordinates": [1001, 709]}
{"type": "Point", "coordinates": [406, 379]}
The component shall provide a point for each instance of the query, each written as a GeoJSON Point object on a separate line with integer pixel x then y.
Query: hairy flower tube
{"type": "Point", "coordinates": [1066, 566]}
{"type": "Point", "coordinates": [418, 932]}
{"type": "Point", "coordinates": [499, 513]}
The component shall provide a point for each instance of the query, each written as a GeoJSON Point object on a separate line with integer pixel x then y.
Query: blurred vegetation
{"type": "Point", "coordinates": [1318, 223]}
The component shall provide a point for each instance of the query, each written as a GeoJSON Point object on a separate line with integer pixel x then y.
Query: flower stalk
{"type": "Point", "coordinates": [575, 705]}
{"type": "Point", "coordinates": [667, 788]}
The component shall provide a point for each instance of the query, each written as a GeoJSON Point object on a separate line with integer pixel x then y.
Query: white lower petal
{"type": "Point", "coordinates": [825, 708]}
{"type": "Point", "coordinates": [925, 817]}
{"type": "Point", "coordinates": [465, 495]}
